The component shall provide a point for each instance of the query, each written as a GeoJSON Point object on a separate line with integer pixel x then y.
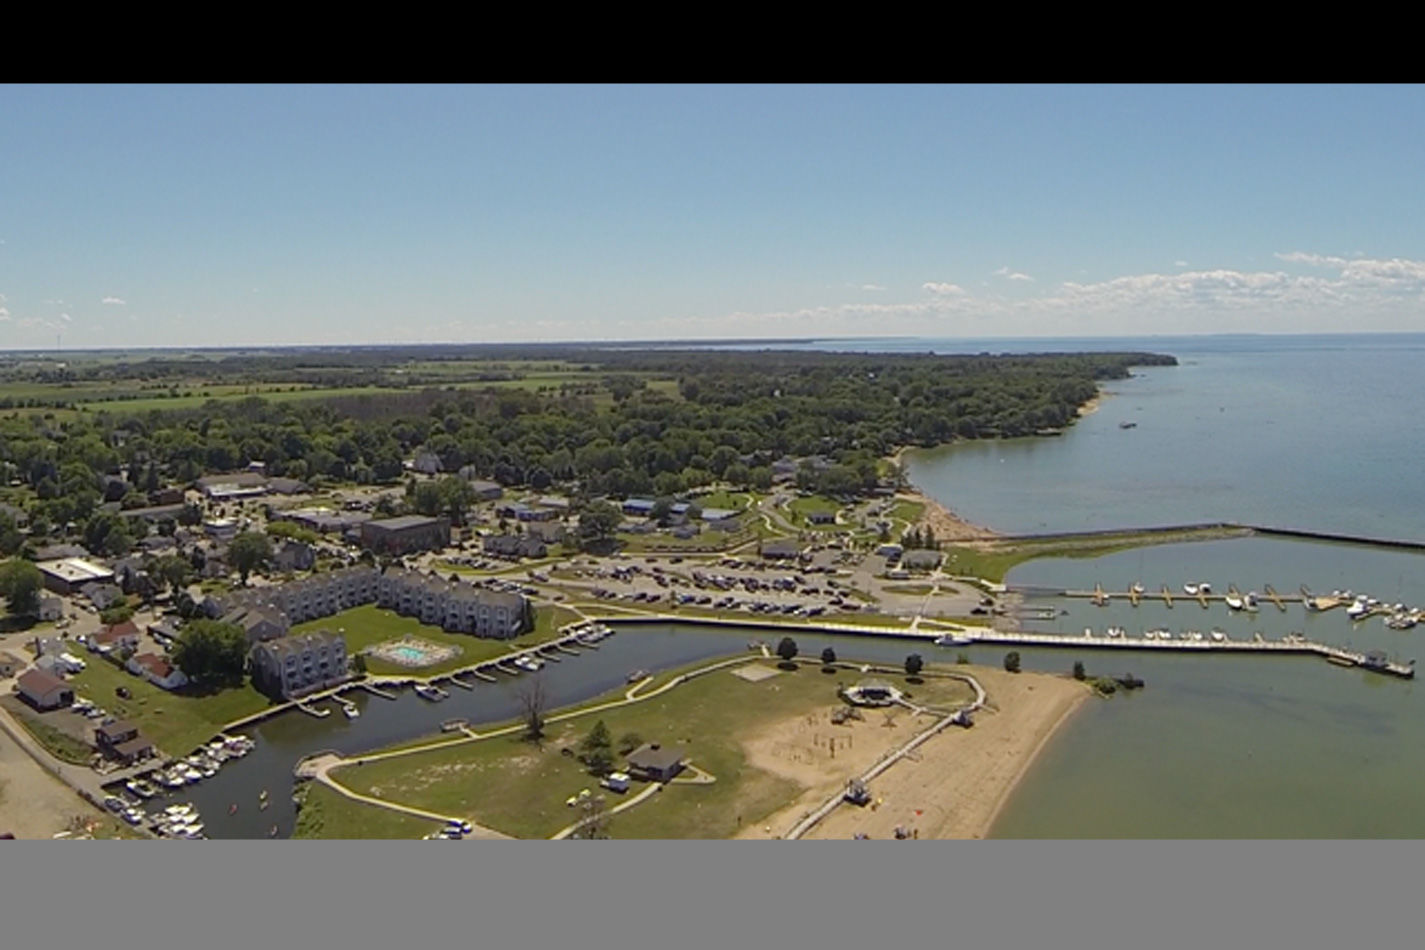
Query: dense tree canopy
{"type": "Point", "coordinates": [211, 651]}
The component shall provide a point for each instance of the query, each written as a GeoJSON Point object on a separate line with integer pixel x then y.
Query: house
{"type": "Point", "coordinates": [557, 503]}
{"type": "Point", "coordinates": [822, 517]}
{"type": "Point", "coordinates": [290, 667]}
{"type": "Point", "coordinates": [59, 552]}
{"type": "Point", "coordinates": [428, 463]}
{"type": "Point", "coordinates": [166, 496]}
{"type": "Point", "coordinates": [484, 490]}
{"type": "Point", "coordinates": [719, 516]}
{"type": "Point", "coordinates": [156, 670]}
{"type": "Point", "coordinates": [656, 763]}
{"type": "Point", "coordinates": [117, 637]}
{"type": "Point", "coordinates": [890, 552]}
{"type": "Point", "coordinates": [66, 575]}
{"type": "Point", "coordinates": [45, 690]}
{"type": "Point", "coordinates": [288, 486]}
{"type": "Point", "coordinates": [154, 513]}
{"type": "Point", "coordinates": [49, 646]}
{"type": "Point", "coordinates": [686, 532]}
{"type": "Point", "coordinates": [294, 555]}
{"type": "Point", "coordinates": [921, 560]}
{"type": "Point", "coordinates": [51, 607]}
{"type": "Point", "coordinates": [121, 740]}
{"type": "Point", "coordinates": [19, 516]}
{"type": "Point", "coordinates": [406, 535]}
{"type": "Point", "coordinates": [102, 596]}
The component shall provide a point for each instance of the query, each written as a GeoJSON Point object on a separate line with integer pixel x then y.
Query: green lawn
{"type": "Point", "coordinates": [907, 511]}
{"type": "Point", "coordinates": [520, 788]}
{"type": "Point", "coordinates": [731, 500]}
{"type": "Point", "coordinates": [802, 508]}
{"type": "Point", "coordinates": [176, 722]}
{"type": "Point", "coordinates": [325, 814]}
{"type": "Point", "coordinates": [369, 625]}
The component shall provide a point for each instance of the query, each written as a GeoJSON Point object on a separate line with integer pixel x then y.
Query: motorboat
{"type": "Point", "coordinates": [1190, 589]}
{"type": "Point", "coordinates": [526, 662]}
{"type": "Point", "coordinates": [637, 675]}
{"type": "Point", "coordinates": [1218, 636]}
{"type": "Point", "coordinates": [1137, 588]}
{"type": "Point", "coordinates": [1233, 602]}
{"type": "Point", "coordinates": [1358, 609]}
{"type": "Point", "coordinates": [350, 710]}
{"type": "Point", "coordinates": [430, 692]}
{"type": "Point", "coordinates": [141, 788]}
{"type": "Point", "coordinates": [953, 640]}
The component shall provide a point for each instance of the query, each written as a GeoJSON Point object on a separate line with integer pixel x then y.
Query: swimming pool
{"type": "Point", "coordinates": [412, 652]}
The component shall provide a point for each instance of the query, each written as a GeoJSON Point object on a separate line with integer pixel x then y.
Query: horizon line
{"type": "Point", "coordinates": [685, 341]}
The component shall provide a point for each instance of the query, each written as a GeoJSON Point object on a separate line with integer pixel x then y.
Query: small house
{"type": "Point", "coordinates": [655, 762]}
{"type": "Point", "coordinates": [157, 671]}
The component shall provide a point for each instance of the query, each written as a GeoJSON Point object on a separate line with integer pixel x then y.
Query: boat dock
{"type": "Point", "coordinates": [1101, 597]}
{"type": "Point", "coordinates": [375, 690]}
{"type": "Point", "coordinates": [1297, 645]}
{"type": "Point", "coordinates": [322, 713]}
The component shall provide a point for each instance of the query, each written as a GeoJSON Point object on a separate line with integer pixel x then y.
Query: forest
{"type": "Point", "coordinates": [599, 420]}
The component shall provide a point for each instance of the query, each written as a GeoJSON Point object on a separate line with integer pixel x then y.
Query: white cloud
{"type": "Point", "coordinates": [1012, 274]}
{"type": "Point", "coordinates": [116, 301]}
{"type": "Point", "coordinates": [875, 287]}
{"type": "Point", "coordinates": [1363, 294]}
{"type": "Point", "coordinates": [66, 318]}
{"type": "Point", "coordinates": [1180, 263]}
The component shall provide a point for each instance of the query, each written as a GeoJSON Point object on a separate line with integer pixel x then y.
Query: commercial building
{"type": "Point", "coordinates": [67, 575]}
{"type": "Point", "coordinates": [406, 535]}
{"type": "Point", "coordinates": [290, 667]}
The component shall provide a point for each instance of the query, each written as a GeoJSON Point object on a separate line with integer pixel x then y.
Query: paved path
{"type": "Point", "coordinates": [642, 796]}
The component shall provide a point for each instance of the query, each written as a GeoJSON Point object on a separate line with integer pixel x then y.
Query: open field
{"type": "Point", "coordinates": [175, 722]}
{"type": "Point", "coordinates": [721, 719]}
{"type": "Point", "coordinates": [369, 625]}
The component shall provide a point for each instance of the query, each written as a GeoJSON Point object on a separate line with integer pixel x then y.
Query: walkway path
{"type": "Point", "coordinates": [642, 796]}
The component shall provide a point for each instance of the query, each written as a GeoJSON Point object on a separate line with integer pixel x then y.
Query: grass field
{"type": "Point", "coordinates": [520, 788]}
{"type": "Point", "coordinates": [802, 508]}
{"type": "Point", "coordinates": [325, 814]}
{"type": "Point", "coordinates": [993, 561]}
{"type": "Point", "coordinates": [369, 625]}
{"type": "Point", "coordinates": [175, 722]}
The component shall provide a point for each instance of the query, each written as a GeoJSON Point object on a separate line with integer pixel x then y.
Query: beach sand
{"type": "Point", "coordinates": [964, 776]}
{"type": "Point", "coordinates": [33, 803]}
{"type": "Point", "coordinates": [958, 780]}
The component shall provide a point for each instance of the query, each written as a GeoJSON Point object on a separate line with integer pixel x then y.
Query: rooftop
{"type": "Point", "coordinates": [402, 522]}
{"type": "Point", "coordinates": [75, 569]}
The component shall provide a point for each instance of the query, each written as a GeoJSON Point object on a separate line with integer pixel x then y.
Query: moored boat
{"type": "Point", "coordinates": [952, 640]}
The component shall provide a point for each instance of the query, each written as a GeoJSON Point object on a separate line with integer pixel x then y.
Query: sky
{"type": "Point", "coordinates": [270, 215]}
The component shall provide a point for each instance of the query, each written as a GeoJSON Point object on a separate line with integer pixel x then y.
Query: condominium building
{"type": "Point", "coordinates": [456, 606]}
{"type": "Point", "coordinates": [290, 667]}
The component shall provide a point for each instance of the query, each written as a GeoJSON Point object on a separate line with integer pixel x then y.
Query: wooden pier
{"type": "Point", "coordinates": [1274, 597]}
{"type": "Point", "coordinates": [378, 691]}
{"type": "Point", "coordinates": [1167, 596]}
{"type": "Point", "coordinates": [457, 681]}
{"type": "Point", "coordinates": [1102, 597]}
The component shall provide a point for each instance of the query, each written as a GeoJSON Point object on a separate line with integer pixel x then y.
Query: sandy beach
{"type": "Point", "coordinates": [955, 784]}
{"type": "Point", "coordinates": [33, 803]}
